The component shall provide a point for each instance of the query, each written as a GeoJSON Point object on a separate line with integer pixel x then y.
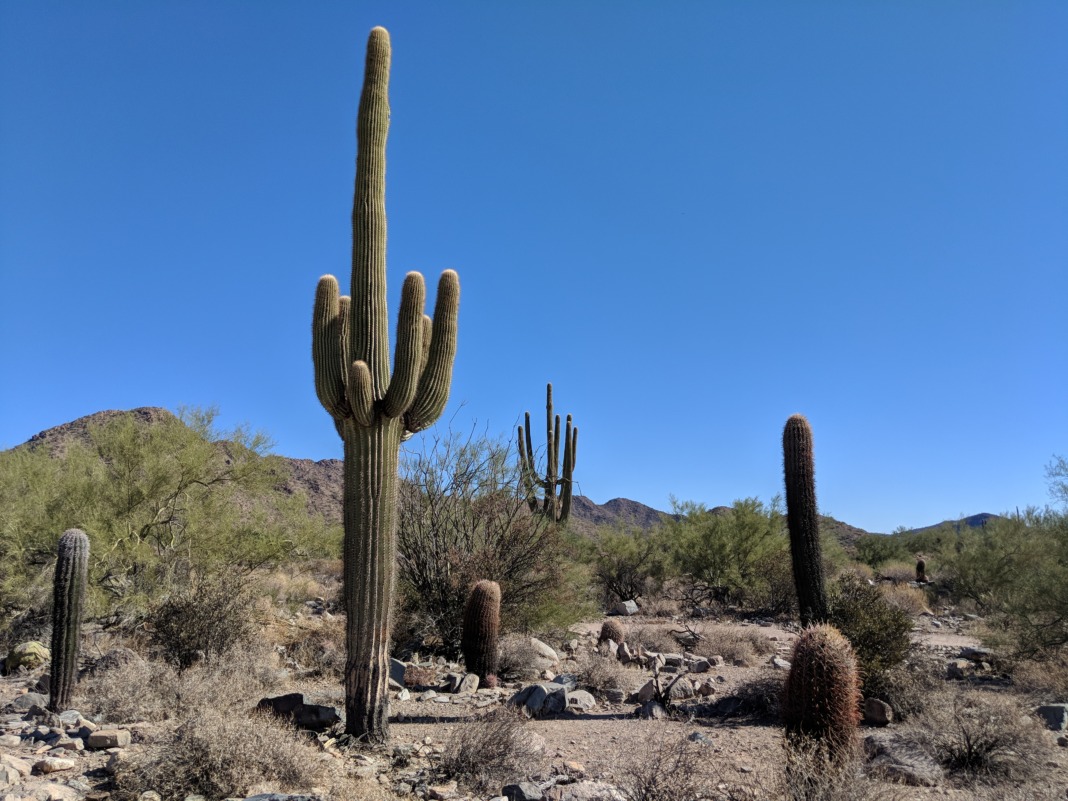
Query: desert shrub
{"type": "Point", "coordinates": [318, 646]}
{"type": "Point", "coordinates": [130, 691]}
{"type": "Point", "coordinates": [417, 676]}
{"type": "Point", "coordinates": [491, 750]}
{"type": "Point", "coordinates": [909, 687]}
{"type": "Point", "coordinates": [899, 571]}
{"type": "Point", "coordinates": [746, 646]}
{"type": "Point", "coordinates": [597, 672]}
{"type": "Point", "coordinates": [653, 638]}
{"type": "Point", "coordinates": [760, 697]}
{"type": "Point", "coordinates": [910, 600]}
{"type": "Point", "coordinates": [158, 495]}
{"type": "Point", "coordinates": [627, 562]}
{"type": "Point", "coordinates": [670, 768]}
{"type": "Point", "coordinates": [1044, 678]}
{"type": "Point", "coordinates": [809, 773]}
{"type": "Point", "coordinates": [726, 554]}
{"type": "Point", "coordinates": [518, 658]}
{"type": "Point", "coordinates": [980, 735]}
{"type": "Point", "coordinates": [462, 518]}
{"type": "Point", "coordinates": [204, 620]}
{"type": "Point", "coordinates": [219, 754]}
{"type": "Point", "coordinates": [878, 632]}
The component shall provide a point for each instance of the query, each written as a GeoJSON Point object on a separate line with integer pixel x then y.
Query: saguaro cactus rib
{"type": "Point", "coordinates": [556, 507]}
{"type": "Point", "coordinates": [372, 409]}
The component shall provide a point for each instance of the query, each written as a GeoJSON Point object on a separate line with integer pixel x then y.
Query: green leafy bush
{"type": "Point", "coordinates": [877, 630]}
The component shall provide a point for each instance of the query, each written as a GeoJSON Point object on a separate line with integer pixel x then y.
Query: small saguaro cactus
{"type": "Point", "coordinates": [612, 630]}
{"type": "Point", "coordinates": [821, 695]}
{"type": "Point", "coordinates": [482, 622]}
{"type": "Point", "coordinates": [802, 518]}
{"type": "Point", "coordinates": [921, 570]}
{"type": "Point", "coordinates": [373, 410]}
{"type": "Point", "coordinates": [68, 597]}
{"type": "Point", "coordinates": [556, 507]}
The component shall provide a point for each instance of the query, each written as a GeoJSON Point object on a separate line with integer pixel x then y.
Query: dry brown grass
{"type": "Point", "coordinates": [671, 768]}
{"type": "Point", "coordinates": [317, 645]}
{"type": "Point", "coordinates": [653, 638]}
{"type": "Point", "coordinates": [909, 687]}
{"type": "Point", "coordinates": [517, 658]}
{"type": "Point", "coordinates": [910, 600]}
{"type": "Point", "coordinates": [1043, 679]}
{"type": "Point", "coordinates": [809, 773]}
{"type": "Point", "coordinates": [984, 736]}
{"type": "Point", "coordinates": [897, 572]}
{"type": "Point", "coordinates": [597, 672]}
{"type": "Point", "coordinates": [220, 754]}
{"type": "Point", "coordinates": [491, 750]}
{"type": "Point", "coordinates": [746, 646]}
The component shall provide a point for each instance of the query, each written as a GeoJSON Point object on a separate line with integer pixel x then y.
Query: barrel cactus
{"type": "Point", "coordinates": [372, 409]}
{"type": "Point", "coordinates": [68, 598]}
{"type": "Point", "coordinates": [821, 696]}
{"type": "Point", "coordinates": [803, 520]}
{"type": "Point", "coordinates": [554, 506]}
{"type": "Point", "coordinates": [612, 630]}
{"type": "Point", "coordinates": [921, 571]}
{"type": "Point", "coordinates": [482, 621]}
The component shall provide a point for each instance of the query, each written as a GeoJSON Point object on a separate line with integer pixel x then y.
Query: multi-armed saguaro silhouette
{"type": "Point", "coordinates": [372, 409]}
{"type": "Point", "coordinates": [556, 508]}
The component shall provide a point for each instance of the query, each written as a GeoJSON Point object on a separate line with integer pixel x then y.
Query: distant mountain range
{"type": "Point", "coordinates": [321, 483]}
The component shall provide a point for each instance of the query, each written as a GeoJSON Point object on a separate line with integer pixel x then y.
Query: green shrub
{"type": "Point", "coordinates": [627, 562]}
{"type": "Point", "coordinates": [878, 631]}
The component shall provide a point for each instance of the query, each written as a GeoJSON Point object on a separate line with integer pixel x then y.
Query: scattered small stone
{"type": "Point", "coordinates": [523, 791]}
{"type": "Point", "coordinates": [53, 764]}
{"type": "Point", "coordinates": [780, 663]}
{"type": "Point", "coordinates": [877, 713]}
{"type": "Point", "coordinates": [1055, 716]}
{"type": "Point", "coordinates": [468, 684]}
{"type": "Point", "coordinates": [108, 738]}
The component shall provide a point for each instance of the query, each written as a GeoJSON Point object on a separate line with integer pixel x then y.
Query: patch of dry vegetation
{"type": "Point", "coordinates": [491, 750]}
{"type": "Point", "coordinates": [746, 646]}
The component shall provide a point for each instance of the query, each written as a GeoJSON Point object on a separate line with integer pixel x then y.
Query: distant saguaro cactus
{"type": "Point", "coordinates": [921, 571]}
{"type": "Point", "coordinates": [803, 520]}
{"type": "Point", "coordinates": [821, 696]}
{"type": "Point", "coordinates": [68, 598]}
{"type": "Point", "coordinates": [612, 630]}
{"type": "Point", "coordinates": [372, 410]}
{"type": "Point", "coordinates": [482, 621]}
{"type": "Point", "coordinates": [558, 508]}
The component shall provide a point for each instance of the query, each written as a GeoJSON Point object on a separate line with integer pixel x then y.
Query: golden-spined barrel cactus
{"type": "Point", "coordinates": [374, 409]}
{"type": "Point", "coordinates": [821, 696]}
{"type": "Point", "coordinates": [482, 623]}
{"type": "Point", "coordinates": [612, 630]}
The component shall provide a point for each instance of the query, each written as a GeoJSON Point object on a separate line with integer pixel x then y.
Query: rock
{"type": "Point", "coordinates": [284, 797]}
{"type": "Point", "coordinates": [957, 668]}
{"type": "Point", "coordinates": [700, 666]}
{"type": "Point", "coordinates": [26, 700]}
{"type": "Point", "coordinates": [22, 766]}
{"type": "Point", "coordinates": [580, 701]}
{"type": "Point", "coordinates": [699, 737]}
{"type": "Point", "coordinates": [115, 658]}
{"type": "Point", "coordinates": [291, 707]}
{"type": "Point", "coordinates": [625, 608]}
{"type": "Point", "coordinates": [877, 713]}
{"type": "Point", "coordinates": [542, 699]}
{"type": "Point", "coordinates": [396, 674]}
{"type": "Point", "coordinates": [441, 792]}
{"type": "Point", "coordinates": [626, 656]}
{"type": "Point", "coordinates": [706, 688]}
{"type": "Point", "coordinates": [894, 759]}
{"type": "Point", "coordinates": [681, 689]}
{"type": "Point", "coordinates": [60, 792]}
{"type": "Point", "coordinates": [9, 777]}
{"type": "Point", "coordinates": [1055, 716]}
{"type": "Point", "coordinates": [108, 738]}
{"type": "Point", "coordinates": [468, 684]}
{"type": "Point", "coordinates": [545, 651]}
{"type": "Point", "coordinates": [523, 791]}
{"type": "Point", "coordinates": [977, 654]}
{"type": "Point", "coordinates": [29, 655]}
{"type": "Point", "coordinates": [568, 681]}
{"type": "Point", "coordinates": [426, 695]}
{"type": "Point", "coordinates": [53, 765]}
{"type": "Point", "coordinates": [780, 663]}
{"type": "Point", "coordinates": [1062, 741]}
{"type": "Point", "coordinates": [647, 692]}
{"type": "Point", "coordinates": [404, 694]}
{"type": "Point", "coordinates": [10, 741]}
{"type": "Point", "coordinates": [614, 695]}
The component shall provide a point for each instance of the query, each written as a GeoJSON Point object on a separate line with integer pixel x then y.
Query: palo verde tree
{"type": "Point", "coordinates": [557, 508]}
{"type": "Point", "coordinates": [373, 410]}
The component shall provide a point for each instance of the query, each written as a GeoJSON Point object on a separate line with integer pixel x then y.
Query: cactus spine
{"type": "Point", "coordinates": [803, 520]}
{"type": "Point", "coordinates": [68, 597]}
{"type": "Point", "coordinates": [558, 508]}
{"type": "Point", "coordinates": [482, 622]}
{"type": "Point", "coordinates": [372, 409]}
{"type": "Point", "coordinates": [821, 696]}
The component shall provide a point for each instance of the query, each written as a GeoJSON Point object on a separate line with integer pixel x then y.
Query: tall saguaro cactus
{"type": "Point", "coordinates": [803, 520]}
{"type": "Point", "coordinates": [68, 597]}
{"type": "Point", "coordinates": [372, 408]}
{"type": "Point", "coordinates": [557, 507]}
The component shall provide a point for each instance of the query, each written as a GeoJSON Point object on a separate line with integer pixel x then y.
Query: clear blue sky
{"type": "Point", "coordinates": [694, 218]}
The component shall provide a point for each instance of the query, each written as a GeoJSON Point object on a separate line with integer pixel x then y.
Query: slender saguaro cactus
{"type": "Point", "coordinates": [482, 621]}
{"type": "Point", "coordinates": [68, 597]}
{"type": "Point", "coordinates": [821, 696]}
{"type": "Point", "coordinates": [372, 409]}
{"type": "Point", "coordinates": [803, 520]}
{"type": "Point", "coordinates": [556, 507]}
